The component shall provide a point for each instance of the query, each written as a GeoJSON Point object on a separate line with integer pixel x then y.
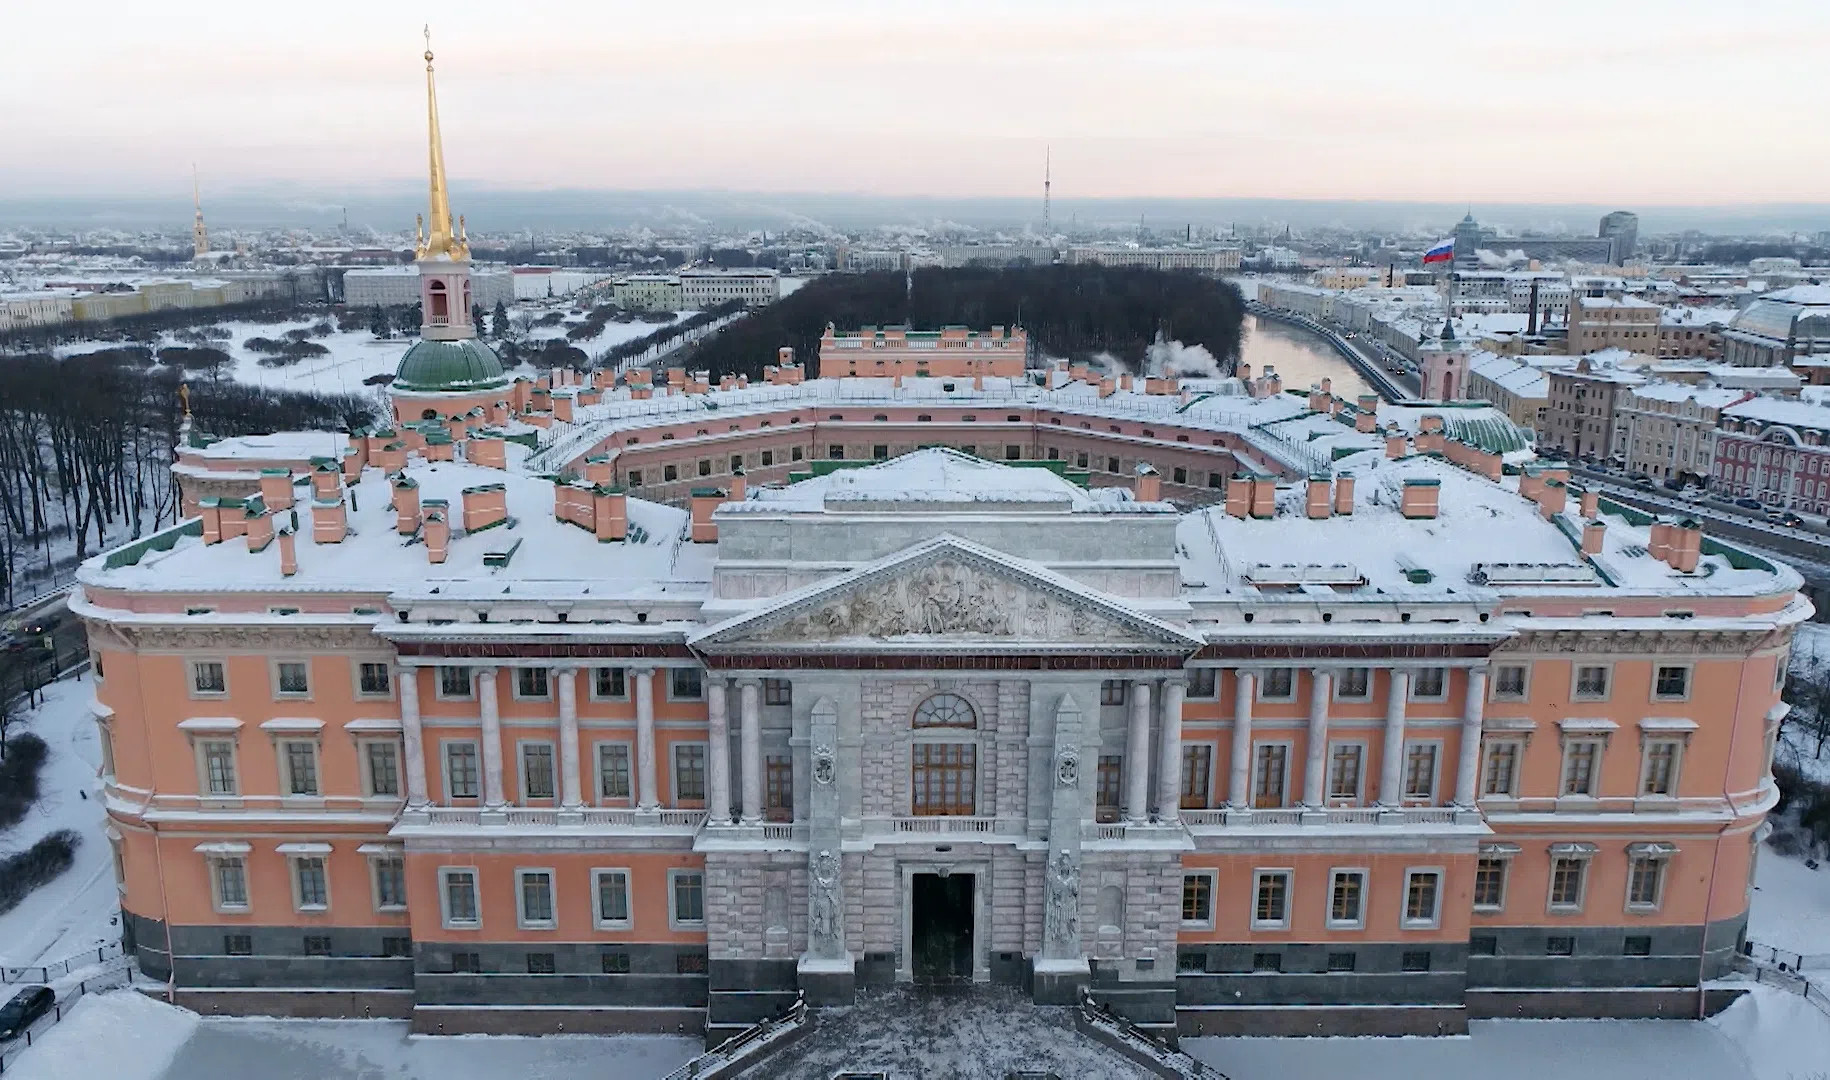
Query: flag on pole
{"type": "Point", "coordinates": [1443, 251]}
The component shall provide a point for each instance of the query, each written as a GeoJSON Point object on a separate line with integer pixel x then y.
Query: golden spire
{"type": "Point", "coordinates": [441, 240]}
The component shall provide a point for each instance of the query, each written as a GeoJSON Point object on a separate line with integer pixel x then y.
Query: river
{"type": "Point", "coordinates": [1300, 358]}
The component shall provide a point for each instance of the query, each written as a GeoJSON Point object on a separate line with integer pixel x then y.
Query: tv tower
{"type": "Point", "coordinates": [1048, 156]}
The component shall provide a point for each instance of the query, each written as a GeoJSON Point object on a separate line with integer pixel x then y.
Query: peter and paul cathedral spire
{"type": "Point", "coordinates": [200, 236]}
{"type": "Point", "coordinates": [447, 236]}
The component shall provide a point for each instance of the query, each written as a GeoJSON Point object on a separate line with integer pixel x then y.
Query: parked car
{"type": "Point", "coordinates": [1792, 520]}
{"type": "Point", "coordinates": [1747, 503]}
{"type": "Point", "coordinates": [1674, 483]}
{"type": "Point", "coordinates": [1694, 494]}
{"type": "Point", "coordinates": [27, 1005]}
{"type": "Point", "coordinates": [41, 627]}
{"type": "Point", "coordinates": [1642, 480]}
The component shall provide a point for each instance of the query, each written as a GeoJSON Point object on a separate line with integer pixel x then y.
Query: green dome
{"type": "Point", "coordinates": [434, 366]}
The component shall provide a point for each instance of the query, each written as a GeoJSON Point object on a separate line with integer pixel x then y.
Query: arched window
{"type": "Point", "coordinates": [441, 303]}
{"type": "Point", "coordinates": [945, 711]}
{"type": "Point", "coordinates": [429, 414]}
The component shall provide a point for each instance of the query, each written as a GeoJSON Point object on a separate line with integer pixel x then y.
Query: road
{"type": "Point", "coordinates": [38, 663]}
{"type": "Point", "coordinates": [1729, 522]}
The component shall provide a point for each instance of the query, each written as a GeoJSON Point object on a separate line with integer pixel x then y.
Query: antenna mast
{"type": "Point", "coordinates": [1048, 161]}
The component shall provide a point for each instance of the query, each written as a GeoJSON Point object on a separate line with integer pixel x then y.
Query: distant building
{"type": "Point", "coordinates": [1622, 228]}
{"type": "Point", "coordinates": [1471, 239]}
{"type": "Point", "coordinates": [1579, 416]}
{"type": "Point", "coordinates": [1212, 260]}
{"type": "Point", "coordinates": [1775, 451]}
{"type": "Point", "coordinates": [1693, 332]}
{"type": "Point", "coordinates": [701, 289]}
{"type": "Point", "coordinates": [1518, 389]}
{"type": "Point", "coordinates": [398, 286]}
{"type": "Point", "coordinates": [1789, 328]}
{"type": "Point", "coordinates": [1597, 323]}
{"type": "Point", "coordinates": [1668, 430]}
{"type": "Point", "coordinates": [948, 353]}
{"type": "Point", "coordinates": [1443, 362]}
{"type": "Point", "coordinates": [19, 311]}
{"type": "Point", "coordinates": [647, 292]}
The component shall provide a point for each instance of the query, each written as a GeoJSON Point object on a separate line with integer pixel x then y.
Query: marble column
{"type": "Point", "coordinates": [1467, 770]}
{"type": "Point", "coordinates": [1391, 758]}
{"type": "Point", "coordinates": [1239, 785]}
{"type": "Point", "coordinates": [412, 737]}
{"type": "Point", "coordinates": [648, 795]}
{"type": "Point", "coordinates": [749, 698]}
{"type": "Point", "coordinates": [718, 753]}
{"type": "Point", "coordinates": [571, 795]}
{"type": "Point", "coordinates": [1137, 756]}
{"type": "Point", "coordinates": [1315, 769]}
{"type": "Point", "coordinates": [492, 739]}
{"type": "Point", "coordinates": [1169, 756]}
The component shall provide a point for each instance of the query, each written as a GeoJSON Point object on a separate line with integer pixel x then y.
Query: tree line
{"type": "Point", "coordinates": [1076, 312]}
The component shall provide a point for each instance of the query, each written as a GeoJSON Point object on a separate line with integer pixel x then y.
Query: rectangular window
{"type": "Point", "coordinates": [1178, 475]}
{"type": "Point", "coordinates": [1483, 945]}
{"type": "Point", "coordinates": [1415, 960]}
{"type": "Point", "coordinates": [1197, 900]}
{"type": "Point", "coordinates": [670, 473]}
{"type": "Point", "coordinates": [1636, 945]}
{"type": "Point", "coordinates": [945, 778]}
{"type": "Point", "coordinates": [1420, 772]}
{"type": "Point", "coordinates": [1559, 945]}
{"type": "Point", "coordinates": [531, 684]}
{"type": "Point", "coordinates": [687, 903]}
{"type": "Point", "coordinates": [1354, 684]}
{"type": "Point", "coordinates": [461, 770]}
{"type": "Point", "coordinates": [1500, 774]}
{"type": "Point", "coordinates": [1204, 683]}
{"type": "Point", "coordinates": [777, 692]}
{"type": "Point", "coordinates": [836, 452]}
{"type": "Point", "coordinates": [1422, 892]}
{"type": "Point", "coordinates": [1429, 684]}
{"type": "Point", "coordinates": [1267, 961]}
{"type": "Point", "coordinates": [1490, 884]}
{"type": "Point", "coordinates": [736, 462]}
{"type": "Point", "coordinates": [1111, 464]}
{"type": "Point", "coordinates": [1347, 899]}
{"type": "Point", "coordinates": [689, 772]}
{"type": "Point", "coordinates": [1341, 962]}
{"type": "Point", "coordinates": [612, 888]}
{"type": "Point", "coordinates": [231, 878]}
{"type": "Point", "coordinates": [1344, 771]}
{"type": "Point", "coordinates": [535, 896]}
{"type": "Point", "coordinates": [454, 683]}
{"type": "Point", "coordinates": [308, 879]}
{"type": "Point", "coordinates": [396, 946]}
{"type": "Point", "coordinates": [778, 788]}
{"type": "Point", "coordinates": [208, 677]}
{"type": "Point", "coordinates": [1581, 758]}
{"type": "Point", "coordinates": [373, 679]}
{"type": "Point", "coordinates": [614, 962]}
{"type": "Point", "coordinates": [1645, 880]}
{"type": "Point", "coordinates": [536, 770]}
{"type": "Point", "coordinates": [390, 882]}
{"type": "Point", "coordinates": [1591, 683]}
{"type": "Point", "coordinates": [794, 453]}
{"type": "Point", "coordinates": [635, 478]}
{"type": "Point", "coordinates": [383, 760]}
{"type": "Point", "coordinates": [1268, 776]}
{"type": "Point", "coordinates": [1659, 774]}
{"type": "Point", "coordinates": [317, 944]}
{"type": "Point", "coordinates": [685, 684]}
{"type": "Point", "coordinates": [1013, 453]}
{"type": "Point", "coordinates": [291, 678]}
{"type": "Point", "coordinates": [465, 963]}
{"type": "Point", "coordinates": [1509, 682]}
{"type": "Point", "coordinates": [301, 758]}
{"type": "Point", "coordinates": [1566, 879]}
{"type": "Point", "coordinates": [541, 963]}
{"type": "Point", "coordinates": [705, 467]}
{"type": "Point", "coordinates": [880, 452]}
{"type": "Point", "coordinates": [460, 897]}
{"type": "Point", "coordinates": [613, 770]}
{"type": "Point", "coordinates": [1109, 788]}
{"type": "Point", "coordinates": [690, 963]}
{"type": "Point", "coordinates": [768, 458]}
{"type": "Point", "coordinates": [218, 767]}
{"type": "Point", "coordinates": [1271, 903]}
{"type": "Point", "coordinates": [1112, 692]}
{"type": "Point", "coordinates": [1279, 684]}
{"type": "Point", "coordinates": [609, 683]}
{"type": "Point", "coordinates": [1197, 765]}
{"type": "Point", "coordinates": [1671, 683]}
{"type": "Point", "coordinates": [238, 944]}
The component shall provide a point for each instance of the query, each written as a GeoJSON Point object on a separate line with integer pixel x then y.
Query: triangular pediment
{"type": "Point", "coordinates": [948, 593]}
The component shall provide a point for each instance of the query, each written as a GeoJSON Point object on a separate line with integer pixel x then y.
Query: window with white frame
{"type": "Point", "coordinates": [689, 772]}
{"type": "Point", "coordinates": [1490, 873]}
{"type": "Point", "coordinates": [685, 684]}
{"type": "Point", "coordinates": [613, 771]}
{"type": "Point", "coordinates": [1198, 900]}
{"type": "Point", "coordinates": [1509, 683]}
{"type": "Point", "coordinates": [374, 679]}
{"type": "Point", "coordinates": [1569, 866]}
{"type": "Point", "coordinates": [534, 899]}
{"type": "Point", "coordinates": [310, 887]}
{"type": "Point", "coordinates": [1278, 684]}
{"type": "Point", "coordinates": [390, 874]}
{"type": "Point", "coordinates": [609, 684]}
{"type": "Point", "coordinates": [1270, 771]}
{"type": "Point", "coordinates": [216, 759]}
{"type": "Point", "coordinates": [1112, 692]}
{"type": "Point", "coordinates": [536, 770]}
{"type": "Point", "coordinates": [1658, 772]}
{"type": "Point", "coordinates": [1581, 766]}
{"type": "Point", "coordinates": [1204, 683]}
{"type": "Point", "coordinates": [1344, 766]}
{"type": "Point", "coordinates": [1590, 683]}
{"type": "Point", "coordinates": [1500, 769]}
{"type": "Point", "coordinates": [299, 763]}
{"type": "Point", "coordinates": [461, 776]}
{"type": "Point", "coordinates": [610, 899]}
{"type": "Point", "coordinates": [1646, 875]}
{"type": "Point", "coordinates": [532, 684]}
{"type": "Point", "coordinates": [686, 898]}
{"type": "Point", "coordinates": [381, 768]}
{"type": "Point", "coordinates": [291, 679]}
{"type": "Point", "coordinates": [458, 897]}
{"type": "Point", "coordinates": [1429, 684]}
{"type": "Point", "coordinates": [1353, 684]}
{"type": "Point", "coordinates": [229, 882]}
{"type": "Point", "coordinates": [1271, 899]}
{"type": "Point", "coordinates": [1420, 771]}
{"type": "Point", "coordinates": [1671, 682]}
{"type": "Point", "coordinates": [1422, 899]}
{"type": "Point", "coordinates": [208, 678]}
{"type": "Point", "coordinates": [455, 684]}
{"type": "Point", "coordinates": [1346, 899]}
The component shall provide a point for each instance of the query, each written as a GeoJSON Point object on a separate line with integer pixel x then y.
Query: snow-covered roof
{"type": "Point", "coordinates": [1796, 414]}
{"type": "Point", "coordinates": [935, 475]}
{"type": "Point", "coordinates": [279, 446]}
{"type": "Point", "coordinates": [1708, 397]}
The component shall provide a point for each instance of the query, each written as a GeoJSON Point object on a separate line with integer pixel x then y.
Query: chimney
{"type": "Point", "coordinates": [485, 506]}
{"type": "Point", "coordinates": [329, 521]}
{"type": "Point", "coordinates": [1593, 533]}
{"type": "Point", "coordinates": [1552, 499]}
{"type": "Point", "coordinates": [1429, 435]}
{"type": "Point", "coordinates": [1531, 482]}
{"type": "Point", "coordinates": [1590, 503]}
{"type": "Point", "coordinates": [1318, 502]}
{"type": "Point", "coordinates": [234, 518]}
{"type": "Point", "coordinates": [406, 505]}
{"type": "Point", "coordinates": [1264, 497]}
{"type": "Point", "coordinates": [600, 469]}
{"type": "Point", "coordinates": [1107, 386]}
{"type": "Point", "coordinates": [562, 407]}
{"type": "Point", "coordinates": [737, 485]}
{"type": "Point", "coordinates": [1394, 444]}
{"type": "Point", "coordinates": [440, 448]}
{"type": "Point", "coordinates": [1147, 485]}
{"type": "Point", "coordinates": [1328, 387]}
{"type": "Point", "coordinates": [1343, 494]}
{"type": "Point", "coordinates": [210, 509]}
{"type": "Point", "coordinates": [289, 553]}
{"type": "Point", "coordinates": [352, 465]}
{"type": "Point", "coordinates": [1686, 545]}
{"type": "Point", "coordinates": [260, 528]}
{"type": "Point", "coordinates": [437, 532]}
{"type": "Point", "coordinates": [276, 488]}
{"type": "Point", "coordinates": [1420, 498]}
{"type": "Point", "coordinates": [1238, 496]}
{"type": "Point", "coordinates": [609, 513]}
{"type": "Point", "coordinates": [1659, 541]}
{"type": "Point", "coordinates": [704, 501]}
{"type": "Point", "coordinates": [488, 451]}
{"type": "Point", "coordinates": [1531, 321]}
{"type": "Point", "coordinates": [326, 483]}
{"type": "Point", "coordinates": [1243, 371]}
{"type": "Point", "coordinates": [1318, 400]}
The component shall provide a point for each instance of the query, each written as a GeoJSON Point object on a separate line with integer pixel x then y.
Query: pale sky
{"type": "Point", "coordinates": [1623, 101]}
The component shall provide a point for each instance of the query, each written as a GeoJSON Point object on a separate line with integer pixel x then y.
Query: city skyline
{"type": "Point", "coordinates": [1319, 101]}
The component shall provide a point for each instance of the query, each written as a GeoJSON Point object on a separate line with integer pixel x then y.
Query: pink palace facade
{"type": "Point", "coordinates": [1258, 712]}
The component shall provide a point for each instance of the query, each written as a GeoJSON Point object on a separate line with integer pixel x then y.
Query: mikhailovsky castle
{"type": "Point", "coordinates": [597, 703]}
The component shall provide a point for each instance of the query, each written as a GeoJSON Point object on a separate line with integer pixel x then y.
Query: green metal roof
{"type": "Point", "coordinates": [431, 366]}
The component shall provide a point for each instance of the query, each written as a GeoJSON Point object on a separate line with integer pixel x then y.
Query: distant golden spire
{"type": "Point", "coordinates": [441, 240]}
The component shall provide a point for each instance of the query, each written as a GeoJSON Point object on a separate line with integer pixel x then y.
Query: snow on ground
{"type": "Point", "coordinates": [613, 333]}
{"type": "Point", "coordinates": [121, 1035]}
{"type": "Point", "coordinates": [1791, 908]}
{"type": "Point", "coordinates": [1780, 1034]}
{"type": "Point", "coordinates": [229, 1049]}
{"type": "Point", "coordinates": [79, 909]}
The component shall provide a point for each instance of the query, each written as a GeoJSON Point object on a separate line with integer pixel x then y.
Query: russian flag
{"type": "Point", "coordinates": [1442, 252]}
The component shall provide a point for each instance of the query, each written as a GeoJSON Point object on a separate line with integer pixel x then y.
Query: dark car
{"type": "Point", "coordinates": [1789, 518]}
{"type": "Point", "coordinates": [27, 1005]}
{"type": "Point", "coordinates": [1749, 504]}
{"type": "Point", "coordinates": [41, 627]}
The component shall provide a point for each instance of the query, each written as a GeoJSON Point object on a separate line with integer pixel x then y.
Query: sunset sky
{"type": "Point", "coordinates": [1545, 101]}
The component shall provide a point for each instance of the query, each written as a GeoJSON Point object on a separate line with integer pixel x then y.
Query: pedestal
{"type": "Point", "coordinates": [828, 982]}
{"type": "Point", "coordinates": [1059, 982]}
